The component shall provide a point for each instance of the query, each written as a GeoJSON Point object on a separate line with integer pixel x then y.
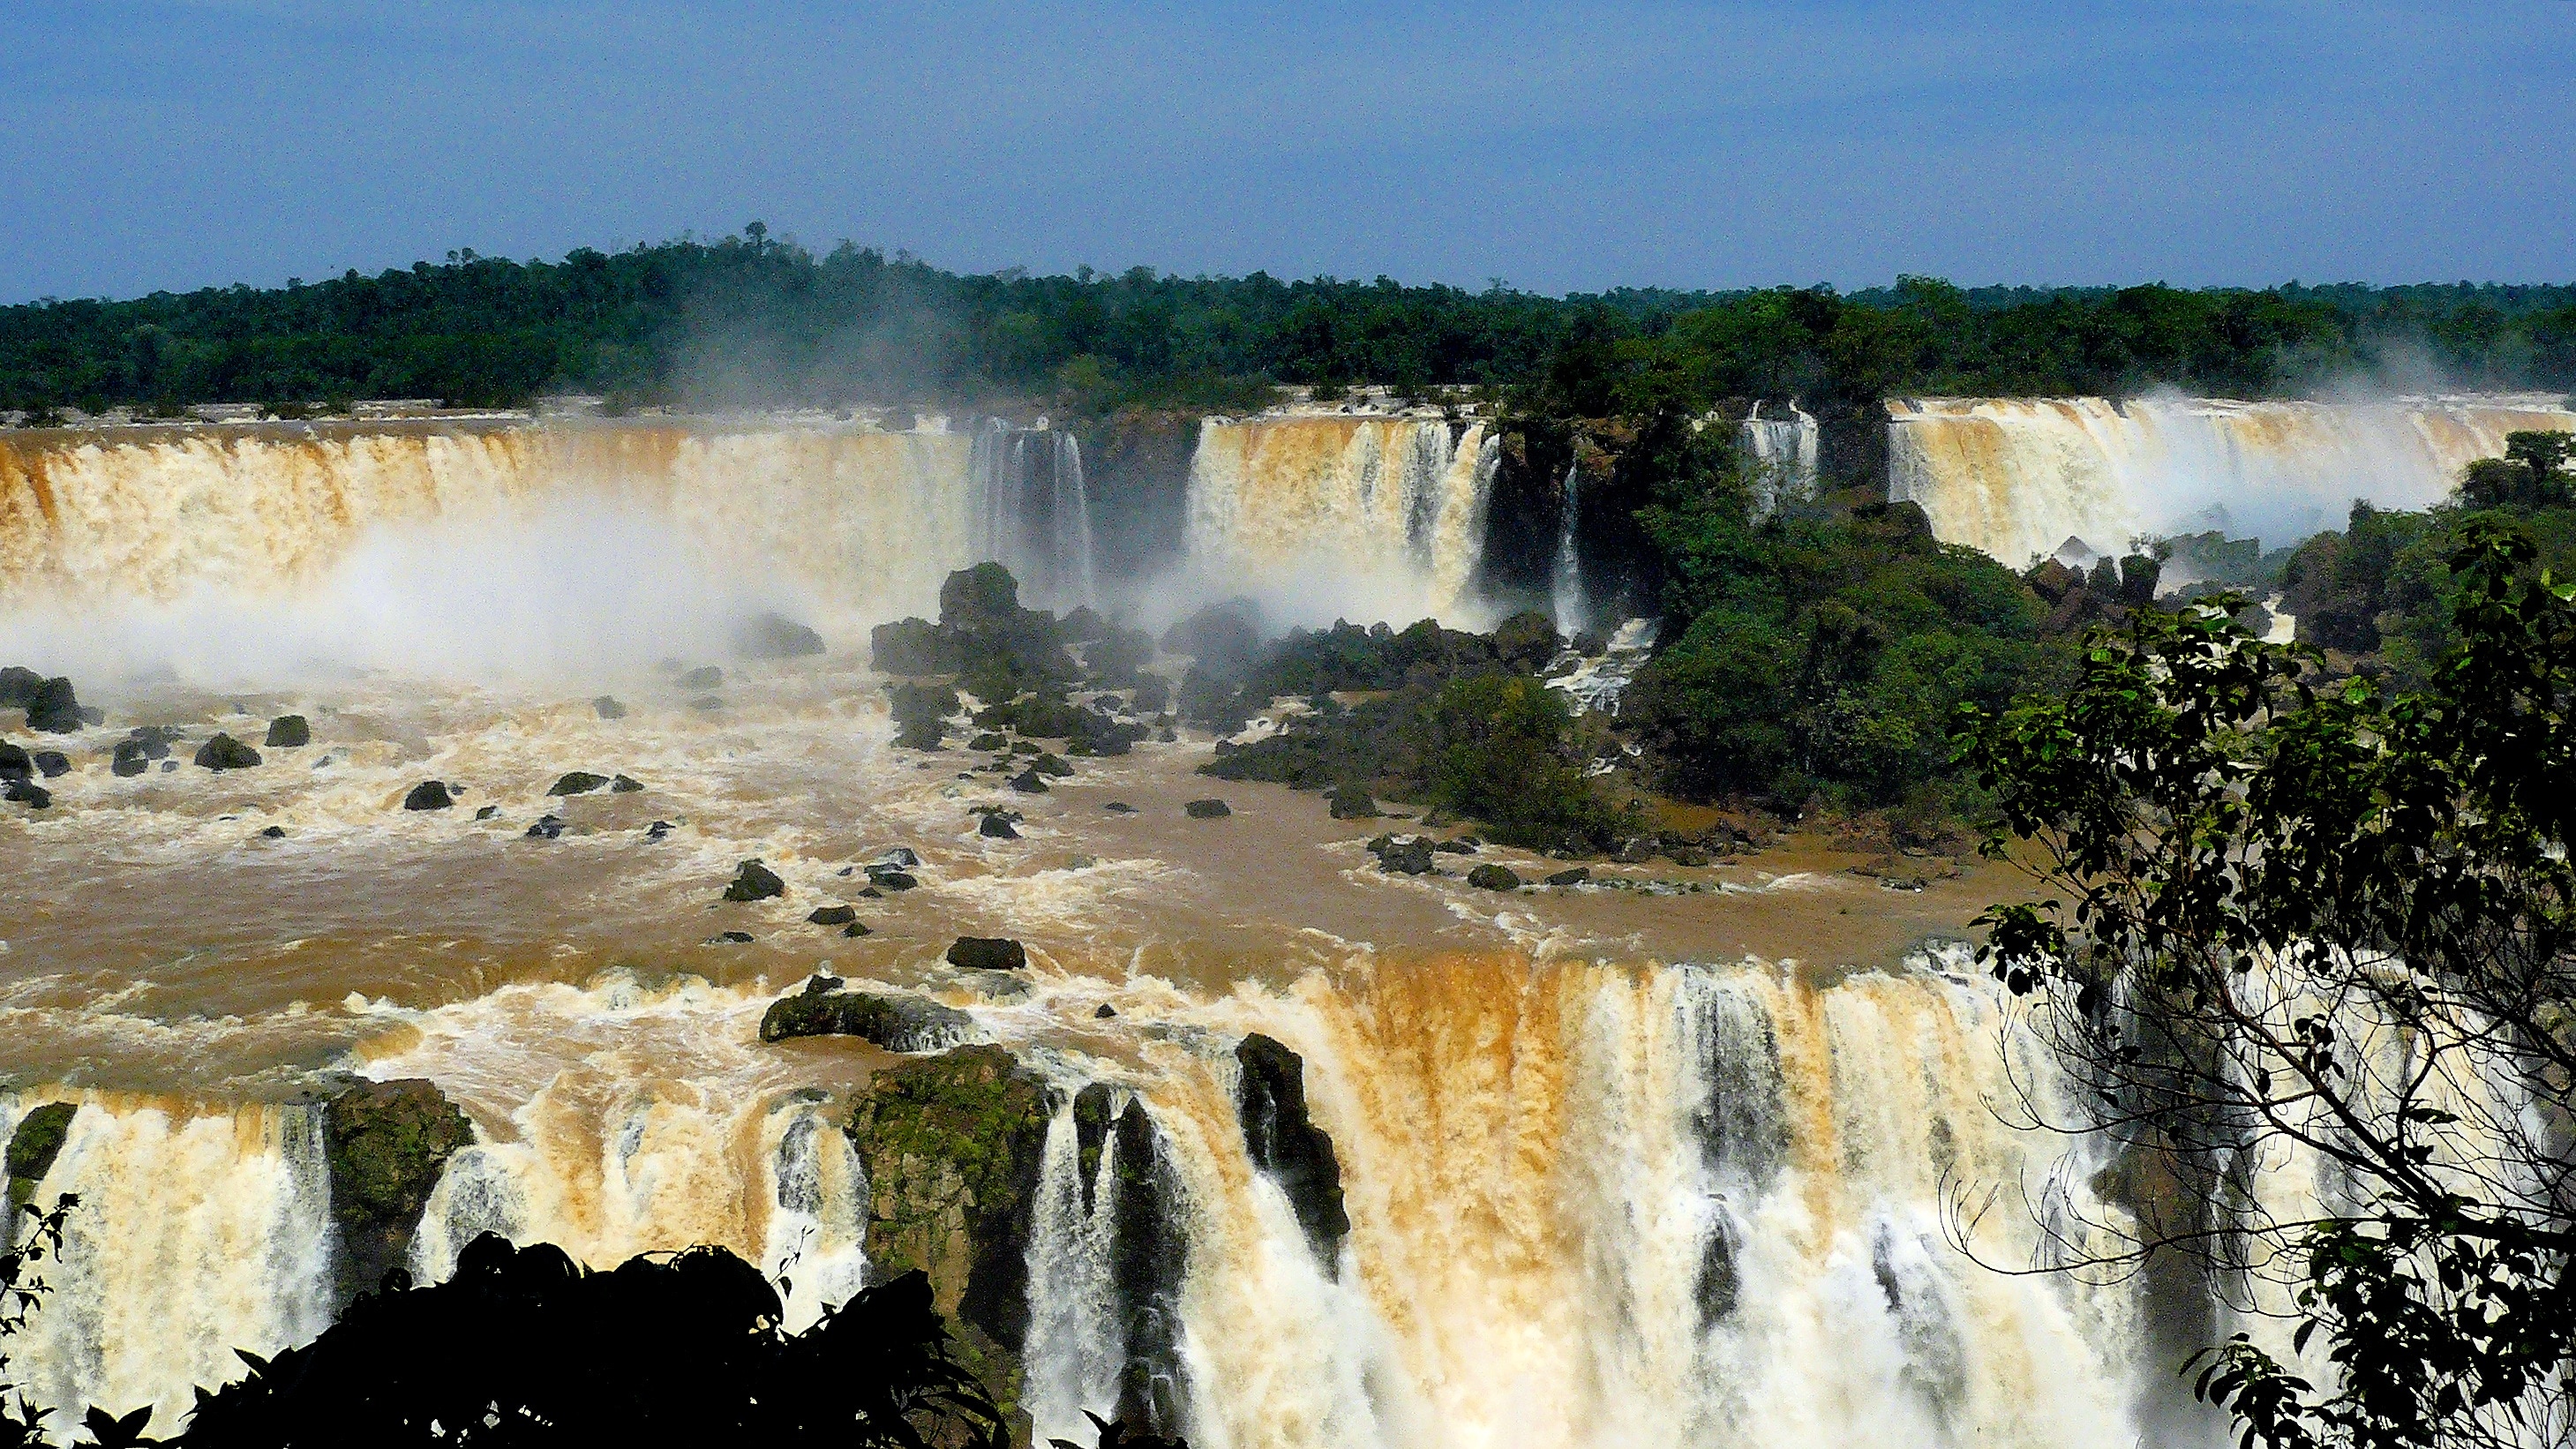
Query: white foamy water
{"type": "Point", "coordinates": [2018, 477]}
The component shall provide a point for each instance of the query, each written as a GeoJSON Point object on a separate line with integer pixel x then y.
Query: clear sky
{"type": "Point", "coordinates": [1563, 146]}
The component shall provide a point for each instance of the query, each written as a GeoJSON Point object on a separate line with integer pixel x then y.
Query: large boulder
{"type": "Point", "coordinates": [429, 795]}
{"type": "Point", "coordinates": [386, 1143]}
{"type": "Point", "coordinates": [289, 731]}
{"type": "Point", "coordinates": [988, 953]}
{"type": "Point", "coordinates": [897, 1023]}
{"type": "Point", "coordinates": [577, 782]}
{"type": "Point", "coordinates": [1208, 809]}
{"type": "Point", "coordinates": [1270, 1101]}
{"type": "Point", "coordinates": [775, 636]}
{"type": "Point", "coordinates": [33, 1147]}
{"type": "Point", "coordinates": [15, 763]}
{"type": "Point", "coordinates": [52, 708]}
{"type": "Point", "coordinates": [754, 881]}
{"type": "Point", "coordinates": [1410, 855]}
{"type": "Point", "coordinates": [223, 752]}
{"type": "Point", "coordinates": [1490, 877]}
{"type": "Point", "coordinates": [51, 764]}
{"type": "Point", "coordinates": [952, 1145]}
{"type": "Point", "coordinates": [18, 686]}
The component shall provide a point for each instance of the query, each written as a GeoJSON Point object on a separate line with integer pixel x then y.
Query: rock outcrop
{"type": "Point", "coordinates": [775, 636]}
{"type": "Point", "coordinates": [289, 732]}
{"type": "Point", "coordinates": [1270, 1101]}
{"type": "Point", "coordinates": [576, 782]}
{"type": "Point", "coordinates": [953, 1145]}
{"type": "Point", "coordinates": [386, 1143]}
{"type": "Point", "coordinates": [429, 795]}
{"type": "Point", "coordinates": [1491, 877]}
{"type": "Point", "coordinates": [988, 953]}
{"type": "Point", "coordinates": [897, 1023]}
{"type": "Point", "coordinates": [33, 1148]}
{"type": "Point", "coordinates": [754, 881]}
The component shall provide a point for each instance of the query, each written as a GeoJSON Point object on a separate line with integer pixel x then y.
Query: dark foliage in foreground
{"type": "Point", "coordinates": [523, 1346]}
{"type": "Point", "coordinates": [2329, 924]}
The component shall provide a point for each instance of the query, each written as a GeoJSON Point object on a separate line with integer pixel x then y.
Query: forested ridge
{"type": "Point", "coordinates": [750, 320]}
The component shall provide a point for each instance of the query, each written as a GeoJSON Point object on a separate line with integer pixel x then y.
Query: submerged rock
{"type": "Point", "coordinates": [755, 882]}
{"type": "Point", "coordinates": [1576, 876]}
{"type": "Point", "coordinates": [1207, 809]}
{"type": "Point", "coordinates": [707, 677]}
{"type": "Point", "coordinates": [608, 707]}
{"type": "Point", "coordinates": [1491, 877]}
{"type": "Point", "coordinates": [1119, 807]}
{"type": "Point", "coordinates": [430, 795]}
{"type": "Point", "coordinates": [657, 829]}
{"type": "Point", "coordinates": [988, 953]}
{"type": "Point", "coordinates": [1270, 1101]}
{"type": "Point", "coordinates": [488, 812]}
{"type": "Point", "coordinates": [289, 732]}
{"type": "Point", "coordinates": [577, 782]}
{"type": "Point", "coordinates": [548, 827]}
{"type": "Point", "coordinates": [952, 1145]}
{"type": "Point", "coordinates": [775, 636]}
{"type": "Point", "coordinates": [223, 752]}
{"type": "Point", "coordinates": [625, 785]}
{"type": "Point", "coordinates": [33, 1148]}
{"type": "Point", "coordinates": [274, 832]}
{"type": "Point", "coordinates": [386, 1143]}
{"type": "Point", "coordinates": [897, 1023]}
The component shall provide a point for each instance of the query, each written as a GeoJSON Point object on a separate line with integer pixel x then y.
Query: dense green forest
{"type": "Point", "coordinates": [752, 320]}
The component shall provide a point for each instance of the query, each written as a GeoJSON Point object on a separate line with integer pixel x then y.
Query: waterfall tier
{"type": "Point", "coordinates": [2018, 477]}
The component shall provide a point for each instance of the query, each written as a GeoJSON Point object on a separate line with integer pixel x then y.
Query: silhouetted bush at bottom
{"type": "Point", "coordinates": [523, 1346]}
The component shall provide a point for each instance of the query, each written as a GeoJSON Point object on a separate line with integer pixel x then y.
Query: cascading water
{"type": "Point", "coordinates": [2017, 477]}
{"type": "Point", "coordinates": [1324, 517]}
{"type": "Point", "coordinates": [1565, 580]}
{"type": "Point", "coordinates": [1785, 453]}
{"type": "Point", "coordinates": [199, 1231]}
{"type": "Point", "coordinates": [190, 532]}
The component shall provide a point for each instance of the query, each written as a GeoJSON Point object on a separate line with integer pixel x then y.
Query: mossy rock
{"type": "Point", "coordinates": [289, 731]}
{"type": "Point", "coordinates": [386, 1143]}
{"type": "Point", "coordinates": [897, 1023]}
{"type": "Point", "coordinates": [33, 1148]}
{"type": "Point", "coordinates": [953, 1145]}
{"type": "Point", "coordinates": [577, 782]}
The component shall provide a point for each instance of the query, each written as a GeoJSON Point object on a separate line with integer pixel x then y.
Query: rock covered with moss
{"type": "Point", "coordinates": [1270, 1101]}
{"type": "Point", "coordinates": [896, 1022]}
{"type": "Point", "coordinates": [386, 1143]}
{"type": "Point", "coordinates": [953, 1145]}
{"type": "Point", "coordinates": [33, 1148]}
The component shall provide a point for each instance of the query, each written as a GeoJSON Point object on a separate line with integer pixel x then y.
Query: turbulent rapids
{"type": "Point", "coordinates": [2018, 477]}
{"type": "Point", "coordinates": [1294, 1152]}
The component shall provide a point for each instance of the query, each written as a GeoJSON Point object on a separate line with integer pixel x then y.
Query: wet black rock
{"type": "Point", "coordinates": [18, 686]}
{"type": "Point", "coordinates": [548, 827]}
{"type": "Point", "coordinates": [774, 636]}
{"type": "Point", "coordinates": [892, 878]}
{"type": "Point", "coordinates": [1463, 845]}
{"type": "Point", "coordinates": [657, 830]}
{"type": "Point", "coordinates": [1210, 809]}
{"type": "Point", "coordinates": [1577, 876]}
{"type": "Point", "coordinates": [1350, 802]}
{"type": "Point", "coordinates": [274, 832]}
{"type": "Point", "coordinates": [430, 795]}
{"type": "Point", "coordinates": [154, 740]}
{"type": "Point", "coordinates": [1494, 878]}
{"type": "Point", "coordinates": [1270, 1101]}
{"type": "Point", "coordinates": [754, 881]}
{"type": "Point", "coordinates": [1410, 855]}
{"type": "Point", "coordinates": [710, 702]}
{"type": "Point", "coordinates": [29, 794]}
{"type": "Point", "coordinates": [987, 953]}
{"type": "Point", "coordinates": [488, 812]}
{"type": "Point", "coordinates": [15, 763]}
{"type": "Point", "coordinates": [1105, 1012]}
{"type": "Point", "coordinates": [129, 760]}
{"type": "Point", "coordinates": [608, 707]}
{"type": "Point", "coordinates": [289, 732]}
{"type": "Point", "coordinates": [169, 765]}
{"type": "Point", "coordinates": [997, 827]}
{"type": "Point", "coordinates": [577, 782]}
{"type": "Point", "coordinates": [706, 677]}
{"type": "Point", "coordinates": [223, 752]}
{"type": "Point", "coordinates": [625, 785]}
{"type": "Point", "coordinates": [1029, 782]}
{"type": "Point", "coordinates": [1051, 765]}
{"type": "Point", "coordinates": [833, 915]}
{"type": "Point", "coordinates": [731, 938]}
{"type": "Point", "coordinates": [52, 764]}
{"type": "Point", "coordinates": [897, 857]}
{"type": "Point", "coordinates": [1119, 807]}
{"type": "Point", "coordinates": [897, 1023]}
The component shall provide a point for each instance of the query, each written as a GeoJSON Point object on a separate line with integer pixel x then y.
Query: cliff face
{"type": "Point", "coordinates": [386, 1143]}
{"type": "Point", "coordinates": [1137, 468]}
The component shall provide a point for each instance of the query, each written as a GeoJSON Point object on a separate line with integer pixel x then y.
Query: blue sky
{"type": "Point", "coordinates": [1558, 147]}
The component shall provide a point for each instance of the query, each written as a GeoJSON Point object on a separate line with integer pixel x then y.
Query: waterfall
{"type": "Point", "coordinates": [315, 535]}
{"type": "Point", "coordinates": [1784, 453]}
{"type": "Point", "coordinates": [1565, 581]}
{"type": "Point", "coordinates": [2018, 477]}
{"type": "Point", "coordinates": [1324, 517]}
{"type": "Point", "coordinates": [199, 1231]}
{"type": "Point", "coordinates": [1076, 1344]}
